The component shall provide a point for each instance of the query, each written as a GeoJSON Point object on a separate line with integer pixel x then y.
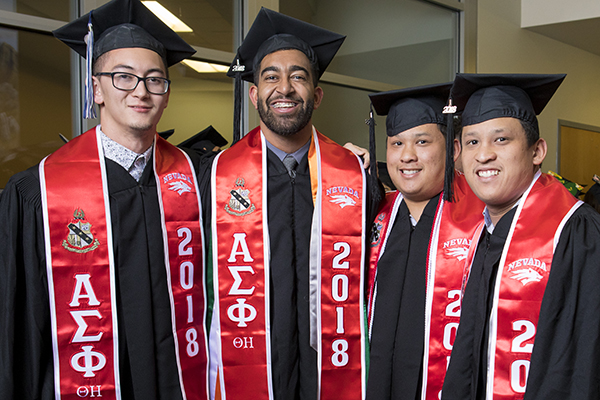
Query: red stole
{"type": "Point", "coordinates": [242, 269]}
{"type": "Point", "coordinates": [521, 281]}
{"type": "Point", "coordinates": [81, 268]}
{"type": "Point", "coordinates": [449, 243]}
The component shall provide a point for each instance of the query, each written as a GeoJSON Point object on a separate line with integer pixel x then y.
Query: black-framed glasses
{"type": "Point", "coordinates": [128, 82]}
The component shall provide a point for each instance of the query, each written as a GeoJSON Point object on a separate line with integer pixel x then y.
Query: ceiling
{"type": "Point", "coordinates": [583, 34]}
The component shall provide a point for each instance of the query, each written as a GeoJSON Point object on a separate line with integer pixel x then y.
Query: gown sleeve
{"type": "Point", "coordinates": [25, 338]}
{"type": "Point", "coordinates": [565, 363]}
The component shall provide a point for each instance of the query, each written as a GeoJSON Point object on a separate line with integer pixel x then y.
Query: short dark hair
{"type": "Point", "coordinates": [532, 132]}
{"type": "Point", "coordinates": [314, 68]}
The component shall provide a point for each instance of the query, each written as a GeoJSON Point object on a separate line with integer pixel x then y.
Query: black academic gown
{"type": "Point", "coordinates": [565, 363]}
{"type": "Point", "coordinates": [396, 361]}
{"type": "Point", "coordinates": [148, 367]}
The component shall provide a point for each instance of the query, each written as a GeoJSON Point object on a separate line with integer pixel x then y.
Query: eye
{"type": "Point", "coordinates": [298, 77]}
{"type": "Point", "coordinates": [154, 79]}
{"type": "Point", "coordinates": [124, 77]}
{"type": "Point", "coordinates": [471, 142]}
{"type": "Point", "coordinates": [501, 139]}
{"type": "Point", "coordinates": [422, 141]}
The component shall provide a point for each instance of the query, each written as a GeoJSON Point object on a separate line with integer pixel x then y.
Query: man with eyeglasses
{"type": "Point", "coordinates": [101, 261]}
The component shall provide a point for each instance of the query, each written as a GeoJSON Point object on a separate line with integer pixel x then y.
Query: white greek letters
{"type": "Point", "coordinates": [93, 361]}
{"type": "Point", "coordinates": [83, 281]}
{"type": "Point", "coordinates": [237, 280]}
{"type": "Point", "coordinates": [86, 361]}
{"type": "Point", "coordinates": [241, 318]}
{"type": "Point", "coordinates": [78, 316]}
{"type": "Point", "coordinates": [240, 241]}
{"type": "Point", "coordinates": [240, 312]}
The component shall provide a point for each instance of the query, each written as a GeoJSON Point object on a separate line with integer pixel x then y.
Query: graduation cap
{"type": "Point", "coordinates": [273, 31]}
{"type": "Point", "coordinates": [411, 107]}
{"type": "Point", "coordinates": [481, 97]}
{"type": "Point", "coordinates": [116, 25]}
{"type": "Point", "coordinates": [205, 140]}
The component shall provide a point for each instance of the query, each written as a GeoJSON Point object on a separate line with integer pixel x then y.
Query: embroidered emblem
{"type": "Point", "coordinates": [181, 182]}
{"type": "Point", "coordinates": [180, 187]}
{"type": "Point", "coordinates": [342, 196]}
{"type": "Point", "coordinates": [527, 270]}
{"type": "Point", "coordinates": [80, 238]}
{"type": "Point", "coordinates": [376, 230]}
{"type": "Point", "coordinates": [458, 248]}
{"type": "Point", "coordinates": [239, 203]}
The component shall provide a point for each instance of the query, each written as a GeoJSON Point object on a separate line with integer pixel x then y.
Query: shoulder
{"type": "Point", "coordinates": [24, 187]}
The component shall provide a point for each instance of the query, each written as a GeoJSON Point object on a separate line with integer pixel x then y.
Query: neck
{"type": "Point", "coordinates": [416, 207]}
{"type": "Point", "coordinates": [138, 141]}
{"type": "Point", "coordinates": [288, 144]}
{"type": "Point", "coordinates": [498, 212]}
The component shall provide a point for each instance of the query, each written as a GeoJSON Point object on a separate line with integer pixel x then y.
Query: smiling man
{"type": "Point", "coordinates": [529, 325]}
{"type": "Point", "coordinates": [289, 211]}
{"type": "Point", "coordinates": [91, 237]}
{"type": "Point", "coordinates": [419, 242]}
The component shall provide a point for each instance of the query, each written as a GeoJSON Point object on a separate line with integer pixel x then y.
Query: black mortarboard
{"type": "Point", "coordinates": [273, 31]}
{"type": "Point", "coordinates": [121, 24]}
{"type": "Point", "coordinates": [411, 107]}
{"type": "Point", "coordinates": [481, 97]}
{"type": "Point", "coordinates": [204, 140]}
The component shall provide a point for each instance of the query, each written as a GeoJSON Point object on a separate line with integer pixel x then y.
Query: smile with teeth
{"type": "Point", "coordinates": [487, 173]}
{"type": "Point", "coordinates": [410, 171]}
{"type": "Point", "coordinates": [283, 105]}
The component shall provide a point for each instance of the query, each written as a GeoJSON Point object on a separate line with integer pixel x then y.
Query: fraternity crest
{"type": "Point", "coordinates": [239, 203]}
{"type": "Point", "coordinates": [376, 229]}
{"type": "Point", "coordinates": [80, 238]}
{"type": "Point", "coordinates": [527, 270]}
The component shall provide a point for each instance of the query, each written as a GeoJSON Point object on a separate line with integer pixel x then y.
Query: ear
{"type": "Point", "coordinates": [540, 148]}
{"type": "Point", "coordinates": [98, 96]}
{"type": "Point", "coordinates": [318, 96]}
{"type": "Point", "coordinates": [457, 149]}
{"type": "Point", "coordinates": [253, 94]}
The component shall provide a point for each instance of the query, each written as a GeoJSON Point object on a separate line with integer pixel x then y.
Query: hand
{"type": "Point", "coordinates": [359, 151]}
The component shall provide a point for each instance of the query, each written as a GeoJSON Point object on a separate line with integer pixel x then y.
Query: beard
{"type": "Point", "coordinates": [287, 125]}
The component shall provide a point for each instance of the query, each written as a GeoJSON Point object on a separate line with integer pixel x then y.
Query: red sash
{"type": "Point", "coordinates": [388, 210]}
{"type": "Point", "coordinates": [449, 243]}
{"type": "Point", "coordinates": [241, 276]}
{"type": "Point", "coordinates": [522, 277]}
{"type": "Point", "coordinates": [81, 269]}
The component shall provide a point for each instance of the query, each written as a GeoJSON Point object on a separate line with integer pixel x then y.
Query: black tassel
{"type": "Point", "coordinates": [449, 172]}
{"type": "Point", "coordinates": [237, 107]}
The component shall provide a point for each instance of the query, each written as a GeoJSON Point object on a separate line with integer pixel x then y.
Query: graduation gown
{"type": "Point", "coordinates": [396, 361]}
{"type": "Point", "coordinates": [290, 210]}
{"type": "Point", "coordinates": [565, 363]}
{"type": "Point", "coordinates": [147, 360]}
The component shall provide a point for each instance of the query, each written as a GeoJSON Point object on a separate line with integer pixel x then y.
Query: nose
{"type": "Point", "coordinates": [485, 153]}
{"type": "Point", "coordinates": [140, 90]}
{"type": "Point", "coordinates": [285, 86]}
{"type": "Point", "coordinates": [408, 154]}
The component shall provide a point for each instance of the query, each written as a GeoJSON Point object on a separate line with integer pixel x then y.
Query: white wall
{"type": "Point", "coordinates": [503, 47]}
{"type": "Point", "coordinates": [544, 12]}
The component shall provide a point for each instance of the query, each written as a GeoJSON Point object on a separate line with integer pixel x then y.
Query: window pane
{"type": "Point", "coordinates": [210, 20]}
{"type": "Point", "coordinates": [342, 114]}
{"type": "Point", "coordinates": [198, 100]}
{"type": "Point", "coordinates": [52, 9]}
{"type": "Point", "coordinates": [35, 99]}
{"type": "Point", "coordinates": [401, 42]}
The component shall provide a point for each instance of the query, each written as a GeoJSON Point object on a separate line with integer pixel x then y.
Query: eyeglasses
{"type": "Point", "coordinates": [128, 82]}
